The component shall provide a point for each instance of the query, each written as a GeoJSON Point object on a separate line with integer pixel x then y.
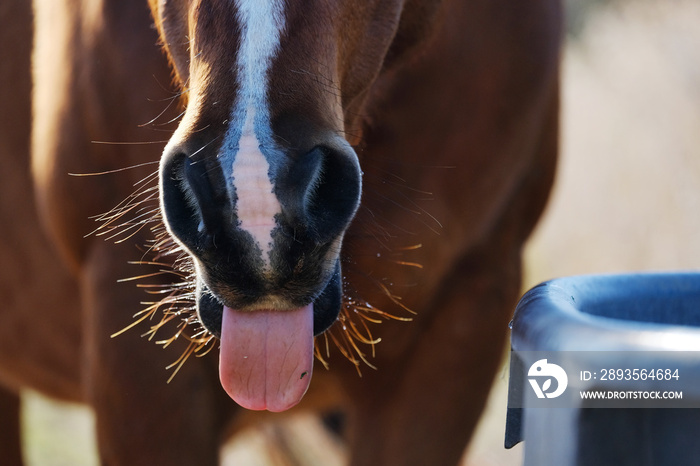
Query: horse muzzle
{"type": "Point", "coordinates": [262, 237]}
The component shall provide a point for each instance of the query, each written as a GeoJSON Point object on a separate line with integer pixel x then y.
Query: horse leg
{"type": "Point", "coordinates": [142, 420]}
{"type": "Point", "coordinates": [10, 443]}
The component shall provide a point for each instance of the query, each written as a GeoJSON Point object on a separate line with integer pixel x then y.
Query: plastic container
{"type": "Point", "coordinates": [655, 314]}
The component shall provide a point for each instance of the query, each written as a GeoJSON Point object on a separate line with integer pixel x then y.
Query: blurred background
{"type": "Point", "coordinates": [627, 198]}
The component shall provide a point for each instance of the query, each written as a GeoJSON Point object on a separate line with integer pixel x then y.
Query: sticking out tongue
{"type": "Point", "coordinates": [267, 356]}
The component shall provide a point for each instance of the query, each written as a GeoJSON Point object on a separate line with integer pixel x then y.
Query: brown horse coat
{"type": "Point", "coordinates": [456, 135]}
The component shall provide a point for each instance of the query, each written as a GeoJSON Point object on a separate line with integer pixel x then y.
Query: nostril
{"type": "Point", "coordinates": [178, 209]}
{"type": "Point", "coordinates": [190, 202]}
{"type": "Point", "coordinates": [299, 183]}
{"type": "Point", "coordinates": [334, 197]}
{"type": "Point", "coordinates": [321, 191]}
{"type": "Point", "coordinates": [207, 199]}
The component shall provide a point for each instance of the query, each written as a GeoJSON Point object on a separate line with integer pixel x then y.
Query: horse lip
{"type": "Point", "coordinates": [327, 305]}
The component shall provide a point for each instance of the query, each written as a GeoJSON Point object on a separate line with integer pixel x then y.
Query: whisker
{"type": "Point", "coordinates": [167, 107]}
{"type": "Point", "coordinates": [128, 143]}
{"type": "Point", "coordinates": [409, 264]}
{"type": "Point", "coordinates": [118, 170]}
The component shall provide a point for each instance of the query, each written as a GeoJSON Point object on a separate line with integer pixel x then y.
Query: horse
{"type": "Point", "coordinates": [282, 183]}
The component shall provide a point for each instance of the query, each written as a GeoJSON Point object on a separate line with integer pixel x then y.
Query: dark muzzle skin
{"type": "Point", "coordinates": [319, 193]}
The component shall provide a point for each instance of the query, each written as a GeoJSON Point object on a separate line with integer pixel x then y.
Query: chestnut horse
{"type": "Point", "coordinates": [342, 173]}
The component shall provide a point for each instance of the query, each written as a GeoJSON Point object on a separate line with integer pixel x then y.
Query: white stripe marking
{"type": "Point", "coordinates": [262, 22]}
{"type": "Point", "coordinates": [256, 205]}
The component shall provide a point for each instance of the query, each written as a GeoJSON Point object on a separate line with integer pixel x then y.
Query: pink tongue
{"type": "Point", "coordinates": [266, 357]}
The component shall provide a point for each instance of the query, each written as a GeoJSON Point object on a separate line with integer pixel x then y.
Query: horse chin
{"type": "Point", "coordinates": [326, 305]}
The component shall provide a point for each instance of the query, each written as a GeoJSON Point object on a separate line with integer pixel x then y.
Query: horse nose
{"type": "Point", "coordinates": [320, 191]}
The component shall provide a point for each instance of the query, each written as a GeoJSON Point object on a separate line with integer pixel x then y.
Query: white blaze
{"type": "Point", "coordinates": [256, 205]}
{"type": "Point", "coordinates": [261, 24]}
